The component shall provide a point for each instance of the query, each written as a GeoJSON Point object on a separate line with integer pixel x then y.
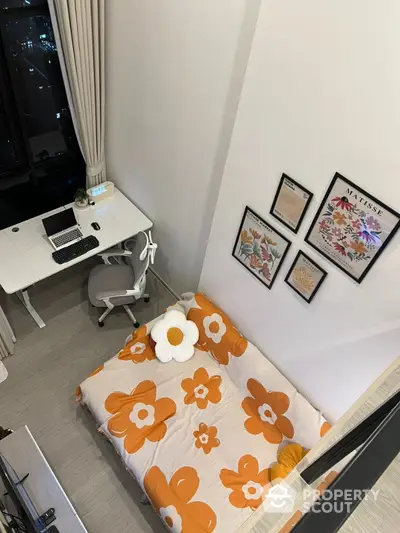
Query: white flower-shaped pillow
{"type": "Point", "coordinates": [175, 337]}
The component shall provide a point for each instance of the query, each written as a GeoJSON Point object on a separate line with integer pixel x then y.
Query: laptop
{"type": "Point", "coordinates": [62, 228]}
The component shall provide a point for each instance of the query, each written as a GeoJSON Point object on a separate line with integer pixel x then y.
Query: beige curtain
{"type": "Point", "coordinates": [7, 338]}
{"type": "Point", "coordinates": [79, 31]}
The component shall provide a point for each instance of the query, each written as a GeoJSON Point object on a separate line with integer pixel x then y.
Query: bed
{"type": "Point", "coordinates": [200, 437]}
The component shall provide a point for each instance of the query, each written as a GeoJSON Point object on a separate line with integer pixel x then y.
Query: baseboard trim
{"type": "Point", "coordinates": [165, 284]}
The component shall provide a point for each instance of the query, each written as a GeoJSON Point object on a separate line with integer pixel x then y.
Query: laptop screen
{"type": "Point", "coordinates": [60, 221]}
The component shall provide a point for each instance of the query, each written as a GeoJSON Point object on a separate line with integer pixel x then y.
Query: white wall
{"type": "Point", "coordinates": [174, 75]}
{"type": "Point", "coordinates": [321, 94]}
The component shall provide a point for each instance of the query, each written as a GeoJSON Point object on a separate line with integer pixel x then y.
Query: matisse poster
{"type": "Point", "coordinates": [352, 227]}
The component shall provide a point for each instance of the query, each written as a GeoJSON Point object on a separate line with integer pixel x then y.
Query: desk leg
{"type": "Point", "coordinates": [24, 297]}
{"type": "Point", "coordinates": [8, 326]}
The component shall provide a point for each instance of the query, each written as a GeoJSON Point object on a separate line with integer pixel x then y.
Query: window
{"type": "Point", "coordinates": [8, 155]}
{"type": "Point", "coordinates": [40, 162]}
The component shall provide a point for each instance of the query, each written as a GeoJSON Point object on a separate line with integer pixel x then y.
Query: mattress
{"type": "Point", "coordinates": [200, 437]}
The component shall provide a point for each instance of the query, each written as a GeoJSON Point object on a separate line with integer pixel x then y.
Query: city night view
{"type": "Point", "coordinates": [36, 130]}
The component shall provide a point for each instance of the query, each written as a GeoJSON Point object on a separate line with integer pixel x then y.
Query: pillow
{"type": "Point", "coordinates": [217, 335]}
{"type": "Point", "coordinates": [175, 337]}
{"type": "Point", "coordinates": [288, 458]}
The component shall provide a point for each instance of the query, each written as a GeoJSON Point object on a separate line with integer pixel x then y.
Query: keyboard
{"type": "Point", "coordinates": [67, 237]}
{"type": "Point", "coordinates": [75, 250]}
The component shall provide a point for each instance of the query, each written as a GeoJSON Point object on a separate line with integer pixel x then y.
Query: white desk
{"type": "Point", "coordinates": [25, 256]}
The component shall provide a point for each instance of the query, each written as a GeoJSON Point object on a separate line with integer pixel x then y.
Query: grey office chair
{"type": "Point", "coordinates": [122, 279]}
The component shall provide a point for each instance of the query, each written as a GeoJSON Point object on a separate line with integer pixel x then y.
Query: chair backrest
{"type": "Point", "coordinates": [142, 251]}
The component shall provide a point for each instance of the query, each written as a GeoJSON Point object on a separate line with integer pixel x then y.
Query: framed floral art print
{"type": "Point", "coordinates": [352, 228]}
{"type": "Point", "coordinates": [260, 248]}
{"type": "Point", "coordinates": [305, 277]}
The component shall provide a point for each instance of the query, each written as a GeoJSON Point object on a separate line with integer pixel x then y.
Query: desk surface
{"type": "Point", "coordinates": [25, 256]}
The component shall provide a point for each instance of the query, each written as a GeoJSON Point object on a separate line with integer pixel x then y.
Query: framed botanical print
{"type": "Point", "coordinates": [260, 248]}
{"type": "Point", "coordinates": [305, 277]}
{"type": "Point", "coordinates": [290, 203]}
{"type": "Point", "coordinates": [352, 228]}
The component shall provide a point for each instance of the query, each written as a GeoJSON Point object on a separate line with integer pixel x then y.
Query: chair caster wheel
{"type": "Point", "coordinates": [101, 324]}
{"type": "Point", "coordinates": [146, 300]}
{"type": "Point", "coordinates": [137, 324]}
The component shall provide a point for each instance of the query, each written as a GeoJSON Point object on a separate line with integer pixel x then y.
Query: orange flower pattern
{"type": "Point", "coordinates": [358, 247]}
{"type": "Point", "coordinates": [206, 438]}
{"type": "Point", "coordinates": [202, 388]}
{"type": "Point", "coordinates": [339, 218]}
{"type": "Point", "coordinates": [245, 237]}
{"type": "Point", "coordinates": [216, 332]}
{"type": "Point", "coordinates": [139, 348]}
{"type": "Point", "coordinates": [139, 416]}
{"type": "Point", "coordinates": [78, 392]}
{"type": "Point", "coordinates": [324, 428]}
{"type": "Point", "coordinates": [248, 485]}
{"type": "Point", "coordinates": [266, 410]}
{"type": "Point", "coordinates": [172, 501]}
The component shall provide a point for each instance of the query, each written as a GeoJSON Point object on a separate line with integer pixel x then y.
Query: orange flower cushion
{"type": "Point", "coordinates": [217, 335]}
{"type": "Point", "coordinates": [288, 458]}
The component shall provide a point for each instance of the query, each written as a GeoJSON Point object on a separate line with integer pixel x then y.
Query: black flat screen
{"type": "Point", "coordinates": [63, 220]}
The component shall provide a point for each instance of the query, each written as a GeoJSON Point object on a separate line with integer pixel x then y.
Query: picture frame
{"type": "Point", "coordinates": [305, 276]}
{"type": "Point", "coordinates": [290, 203]}
{"type": "Point", "coordinates": [352, 228]}
{"type": "Point", "coordinates": [260, 248]}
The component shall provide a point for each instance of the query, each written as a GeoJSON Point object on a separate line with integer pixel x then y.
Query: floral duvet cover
{"type": "Point", "coordinates": [200, 437]}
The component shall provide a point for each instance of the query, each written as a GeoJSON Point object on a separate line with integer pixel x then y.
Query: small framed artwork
{"type": "Point", "coordinates": [352, 228]}
{"type": "Point", "coordinates": [305, 276]}
{"type": "Point", "coordinates": [290, 203]}
{"type": "Point", "coordinates": [260, 248]}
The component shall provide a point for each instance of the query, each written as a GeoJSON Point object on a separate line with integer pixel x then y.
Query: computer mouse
{"type": "Point", "coordinates": [95, 226]}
